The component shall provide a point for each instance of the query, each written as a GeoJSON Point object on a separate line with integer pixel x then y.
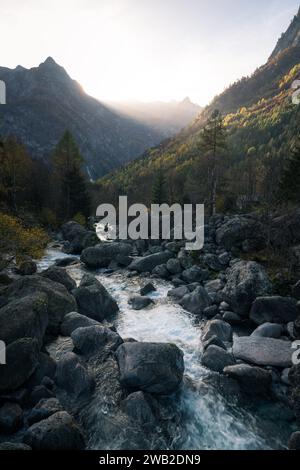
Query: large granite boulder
{"type": "Point", "coordinates": [246, 280]}
{"type": "Point", "coordinates": [101, 255]}
{"type": "Point", "coordinates": [74, 320]}
{"type": "Point", "coordinates": [218, 328]}
{"type": "Point", "coordinates": [274, 309]}
{"type": "Point", "coordinates": [94, 300]}
{"type": "Point", "coordinates": [73, 377]}
{"type": "Point", "coordinates": [233, 233]}
{"type": "Point", "coordinates": [263, 351]}
{"type": "Point", "coordinates": [216, 358]}
{"type": "Point", "coordinates": [151, 367]}
{"type": "Point", "coordinates": [95, 338]}
{"type": "Point", "coordinates": [254, 381]}
{"type": "Point", "coordinates": [196, 301]}
{"type": "Point", "coordinates": [60, 275]}
{"type": "Point", "coordinates": [148, 263]}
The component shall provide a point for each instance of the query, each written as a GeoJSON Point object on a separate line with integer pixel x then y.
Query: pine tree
{"type": "Point", "coordinates": [213, 143]}
{"type": "Point", "coordinates": [73, 196]}
{"type": "Point", "coordinates": [159, 194]}
{"type": "Point", "coordinates": [290, 181]}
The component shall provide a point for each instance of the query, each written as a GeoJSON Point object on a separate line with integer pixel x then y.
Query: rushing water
{"type": "Point", "coordinates": [209, 421]}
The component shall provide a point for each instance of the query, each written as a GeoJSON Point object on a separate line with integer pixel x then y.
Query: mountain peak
{"type": "Point", "coordinates": [291, 38]}
{"type": "Point", "coordinates": [49, 61]}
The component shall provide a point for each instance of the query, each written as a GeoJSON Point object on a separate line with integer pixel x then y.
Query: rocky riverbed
{"type": "Point", "coordinates": [141, 345]}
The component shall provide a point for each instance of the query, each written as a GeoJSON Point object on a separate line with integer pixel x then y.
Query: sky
{"type": "Point", "coordinates": [145, 50]}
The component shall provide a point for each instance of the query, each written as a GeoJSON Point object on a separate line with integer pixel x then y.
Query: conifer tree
{"type": "Point", "coordinates": [159, 193]}
{"type": "Point", "coordinates": [290, 181]}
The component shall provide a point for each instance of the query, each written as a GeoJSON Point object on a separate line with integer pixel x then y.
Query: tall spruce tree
{"type": "Point", "coordinates": [73, 196]}
{"type": "Point", "coordinates": [290, 181]}
{"type": "Point", "coordinates": [213, 143]}
{"type": "Point", "coordinates": [159, 193]}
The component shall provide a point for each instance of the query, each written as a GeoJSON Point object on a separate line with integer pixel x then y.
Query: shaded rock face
{"type": "Point", "coordinates": [73, 377]}
{"type": "Point", "coordinates": [151, 367]}
{"type": "Point", "coordinates": [11, 418]}
{"type": "Point", "coordinates": [94, 338]}
{"type": "Point", "coordinates": [14, 446]}
{"type": "Point", "coordinates": [138, 407]}
{"type": "Point", "coordinates": [24, 317]}
{"type": "Point", "coordinates": [94, 300]}
{"type": "Point", "coordinates": [235, 231]}
{"type": "Point", "coordinates": [296, 290]}
{"type": "Point", "coordinates": [217, 328]}
{"type": "Point", "coordinates": [294, 442]}
{"type": "Point", "coordinates": [253, 381]}
{"type": "Point", "coordinates": [148, 263]}
{"type": "Point", "coordinates": [263, 351]}
{"type": "Point", "coordinates": [268, 330]}
{"type": "Point", "coordinates": [285, 229]}
{"type": "Point", "coordinates": [21, 361]}
{"type": "Point", "coordinates": [26, 268]}
{"type": "Point", "coordinates": [138, 302]}
{"type": "Point", "coordinates": [57, 274]}
{"type": "Point", "coordinates": [74, 320]}
{"type": "Point", "coordinates": [216, 358]}
{"type": "Point", "coordinates": [246, 281]}
{"type": "Point", "coordinates": [46, 368]}
{"type": "Point", "coordinates": [60, 301]}
{"type": "Point", "coordinates": [147, 289]}
{"type": "Point", "coordinates": [43, 409]}
{"type": "Point", "coordinates": [58, 432]}
{"type": "Point", "coordinates": [101, 255]}
{"type": "Point", "coordinates": [71, 230]}
{"type": "Point", "coordinates": [197, 301]}
{"type": "Point", "coordinates": [195, 274]}
{"type": "Point", "coordinates": [274, 309]}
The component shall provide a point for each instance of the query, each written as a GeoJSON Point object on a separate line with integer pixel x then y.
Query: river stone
{"type": "Point", "coordinates": [95, 338]}
{"type": "Point", "coordinates": [216, 358]}
{"type": "Point", "coordinates": [161, 271]}
{"type": "Point", "coordinates": [218, 328]}
{"type": "Point", "coordinates": [268, 330]}
{"type": "Point", "coordinates": [72, 376]}
{"type": "Point", "coordinates": [46, 368]}
{"type": "Point", "coordinates": [27, 268]}
{"type": "Point", "coordinates": [151, 367]}
{"type": "Point", "coordinates": [274, 309]}
{"type": "Point", "coordinates": [197, 301]}
{"type": "Point", "coordinates": [43, 409]}
{"type": "Point", "coordinates": [101, 255]}
{"type": "Point", "coordinates": [94, 300]}
{"type": "Point", "coordinates": [138, 302]}
{"type": "Point", "coordinates": [232, 318]}
{"type": "Point", "coordinates": [212, 262]}
{"type": "Point", "coordinates": [13, 446]}
{"type": "Point", "coordinates": [252, 380]}
{"type": "Point", "coordinates": [39, 392]}
{"type": "Point", "coordinates": [263, 351]}
{"type": "Point", "coordinates": [246, 280]}
{"type": "Point", "coordinates": [21, 361]}
{"type": "Point", "coordinates": [178, 292]}
{"type": "Point", "coordinates": [67, 261]}
{"type": "Point", "coordinates": [24, 317]}
{"type": "Point", "coordinates": [70, 230]}
{"type": "Point", "coordinates": [195, 274]}
{"type": "Point", "coordinates": [174, 266]}
{"type": "Point", "coordinates": [148, 263]}
{"type": "Point", "coordinates": [138, 407]}
{"type": "Point", "coordinates": [74, 320]}
{"type": "Point", "coordinates": [213, 341]}
{"type": "Point", "coordinates": [294, 442]}
{"type": "Point", "coordinates": [237, 229]}
{"type": "Point", "coordinates": [60, 275]}
{"type": "Point", "coordinates": [58, 432]}
{"type": "Point", "coordinates": [147, 289]}
{"type": "Point", "coordinates": [60, 301]}
{"type": "Point", "coordinates": [211, 311]}
{"type": "Point", "coordinates": [11, 418]}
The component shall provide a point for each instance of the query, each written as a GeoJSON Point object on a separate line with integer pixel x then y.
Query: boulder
{"type": "Point", "coordinates": [95, 338]}
{"type": "Point", "coordinates": [178, 292]}
{"type": "Point", "coordinates": [38, 393]}
{"type": "Point", "coordinates": [94, 300]}
{"type": "Point", "coordinates": [268, 330]}
{"type": "Point", "coordinates": [46, 368]}
{"type": "Point", "coordinates": [296, 290]}
{"type": "Point", "coordinates": [148, 263]}
{"type": "Point", "coordinates": [71, 230]}
{"type": "Point", "coordinates": [285, 229]}
{"type": "Point", "coordinates": [21, 361]}
{"type": "Point", "coordinates": [58, 432]}
{"type": "Point", "coordinates": [138, 407]}
{"type": "Point", "coordinates": [211, 311]}
{"type": "Point", "coordinates": [174, 266]}
{"type": "Point", "coordinates": [138, 302]}
{"type": "Point", "coordinates": [197, 301]}
{"type": "Point", "coordinates": [24, 317]}
{"type": "Point", "coordinates": [263, 351]}
{"type": "Point", "coordinates": [246, 280]}
{"type": "Point", "coordinates": [13, 446]}
{"type": "Point", "coordinates": [218, 328]}
{"type": "Point", "coordinates": [253, 381]}
{"type": "Point", "coordinates": [101, 255]}
{"type": "Point", "coordinates": [232, 318]}
{"type": "Point", "coordinates": [213, 341]}
{"type": "Point", "coordinates": [216, 358]}
{"type": "Point", "coordinates": [60, 301]}
{"type": "Point", "coordinates": [274, 309]}
{"type": "Point", "coordinates": [212, 262]}
{"type": "Point", "coordinates": [161, 271]}
{"type": "Point", "coordinates": [74, 320]}
{"type": "Point", "coordinates": [11, 418]}
{"type": "Point", "coordinates": [294, 442]}
{"type": "Point", "coordinates": [43, 409]}
{"type": "Point", "coordinates": [195, 274]}
{"type": "Point", "coordinates": [73, 377]}
{"type": "Point", "coordinates": [67, 261]}
{"type": "Point", "coordinates": [151, 367]}
{"type": "Point", "coordinates": [237, 229]}
{"type": "Point", "coordinates": [27, 268]}
{"type": "Point", "coordinates": [60, 275]}
{"type": "Point", "coordinates": [147, 289]}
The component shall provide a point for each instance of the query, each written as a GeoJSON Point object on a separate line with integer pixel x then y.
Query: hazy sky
{"type": "Point", "coordinates": [145, 49]}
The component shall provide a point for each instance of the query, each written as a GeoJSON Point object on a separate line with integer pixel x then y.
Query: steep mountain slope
{"type": "Point", "coordinates": [166, 117]}
{"type": "Point", "coordinates": [42, 102]}
{"type": "Point", "coordinates": [260, 119]}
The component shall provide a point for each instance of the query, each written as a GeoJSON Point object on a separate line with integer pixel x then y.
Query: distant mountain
{"type": "Point", "coordinates": [166, 117]}
{"type": "Point", "coordinates": [260, 120]}
{"type": "Point", "coordinates": [42, 102]}
{"type": "Point", "coordinates": [291, 38]}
